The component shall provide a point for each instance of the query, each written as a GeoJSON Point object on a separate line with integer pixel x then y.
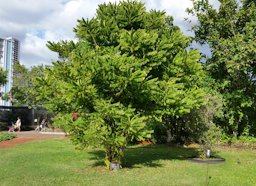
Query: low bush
{"type": "Point", "coordinates": [6, 136]}
{"type": "Point", "coordinates": [245, 138]}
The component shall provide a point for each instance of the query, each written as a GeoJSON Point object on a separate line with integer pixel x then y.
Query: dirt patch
{"type": "Point", "coordinates": [16, 141]}
{"type": "Point", "coordinates": [23, 137]}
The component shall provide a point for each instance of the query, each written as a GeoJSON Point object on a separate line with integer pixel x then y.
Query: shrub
{"type": "Point", "coordinates": [6, 136]}
{"type": "Point", "coordinates": [246, 138]}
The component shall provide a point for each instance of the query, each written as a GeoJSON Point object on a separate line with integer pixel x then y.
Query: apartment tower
{"type": "Point", "coordinates": [9, 54]}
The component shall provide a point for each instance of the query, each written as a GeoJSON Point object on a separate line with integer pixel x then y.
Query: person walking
{"type": "Point", "coordinates": [18, 124]}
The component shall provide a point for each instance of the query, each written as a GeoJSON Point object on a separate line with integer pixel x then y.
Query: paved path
{"type": "Point", "coordinates": [36, 134]}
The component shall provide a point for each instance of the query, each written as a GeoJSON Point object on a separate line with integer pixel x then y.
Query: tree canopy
{"type": "Point", "coordinates": [230, 32]}
{"type": "Point", "coordinates": [130, 67]}
{"type": "Point", "coordinates": [3, 78]}
{"type": "Point", "coordinates": [24, 84]}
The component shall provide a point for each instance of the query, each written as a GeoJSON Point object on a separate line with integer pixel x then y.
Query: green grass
{"type": "Point", "coordinates": [56, 162]}
{"type": "Point", "coordinates": [6, 136]}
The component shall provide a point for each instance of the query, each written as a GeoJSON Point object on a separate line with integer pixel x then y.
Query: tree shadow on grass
{"type": "Point", "coordinates": [147, 155]}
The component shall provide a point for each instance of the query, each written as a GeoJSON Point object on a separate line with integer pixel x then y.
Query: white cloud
{"type": "Point", "coordinates": [176, 8]}
{"type": "Point", "coordinates": [27, 11]}
{"type": "Point", "coordinates": [64, 20]}
{"type": "Point", "coordinates": [35, 51]}
{"type": "Point", "coordinates": [34, 22]}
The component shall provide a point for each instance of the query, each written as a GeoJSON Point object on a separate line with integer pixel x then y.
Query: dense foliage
{"type": "Point", "coordinates": [3, 75]}
{"type": "Point", "coordinates": [24, 84]}
{"type": "Point", "coordinates": [6, 136]}
{"type": "Point", "coordinates": [130, 69]}
{"type": "Point", "coordinates": [3, 80]}
{"type": "Point", "coordinates": [230, 33]}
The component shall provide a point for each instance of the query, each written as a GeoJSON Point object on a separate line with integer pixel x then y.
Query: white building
{"type": "Point", "coordinates": [9, 54]}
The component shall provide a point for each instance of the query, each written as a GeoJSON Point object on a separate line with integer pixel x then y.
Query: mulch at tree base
{"type": "Point", "coordinates": [145, 142]}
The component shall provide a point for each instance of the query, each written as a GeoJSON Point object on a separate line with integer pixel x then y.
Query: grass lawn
{"type": "Point", "coordinates": [56, 162]}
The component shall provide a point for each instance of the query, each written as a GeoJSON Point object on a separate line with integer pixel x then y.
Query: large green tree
{"type": "Point", "coordinates": [230, 32]}
{"type": "Point", "coordinates": [129, 67]}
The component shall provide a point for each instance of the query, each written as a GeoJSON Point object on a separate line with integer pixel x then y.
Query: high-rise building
{"type": "Point", "coordinates": [9, 54]}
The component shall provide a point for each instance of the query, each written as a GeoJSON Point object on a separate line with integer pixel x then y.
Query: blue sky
{"type": "Point", "coordinates": [34, 22]}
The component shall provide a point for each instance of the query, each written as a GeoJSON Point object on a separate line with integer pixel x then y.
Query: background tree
{"type": "Point", "coordinates": [230, 32]}
{"type": "Point", "coordinates": [23, 84]}
{"type": "Point", "coordinates": [129, 67]}
{"type": "Point", "coordinates": [3, 78]}
{"type": "Point", "coordinates": [3, 75]}
{"type": "Point", "coordinates": [20, 84]}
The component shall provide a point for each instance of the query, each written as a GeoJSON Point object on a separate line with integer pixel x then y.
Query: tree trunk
{"type": "Point", "coordinates": [169, 135]}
